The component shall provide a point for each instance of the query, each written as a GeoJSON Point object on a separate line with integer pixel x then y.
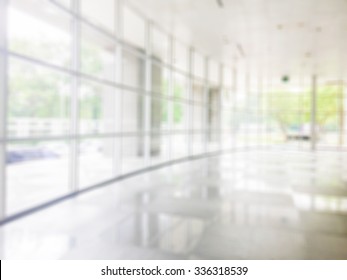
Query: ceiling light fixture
{"type": "Point", "coordinates": [220, 3]}
{"type": "Point", "coordinates": [239, 47]}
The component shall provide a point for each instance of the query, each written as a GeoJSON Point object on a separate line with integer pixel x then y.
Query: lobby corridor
{"type": "Point", "coordinates": [243, 205]}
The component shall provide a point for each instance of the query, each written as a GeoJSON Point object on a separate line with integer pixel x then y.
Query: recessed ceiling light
{"type": "Point", "coordinates": [240, 49]}
{"type": "Point", "coordinates": [220, 3]}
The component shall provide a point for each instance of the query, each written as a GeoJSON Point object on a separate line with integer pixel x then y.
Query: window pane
{"type": "Point", "coordinates": [227, 77]}
{"type": "Point", "coordinates": [160, 45]}
{"type": "Point", "coordinates": [199, 66]}
{"type": "Point", "coordinates": [134, 28]}
{"type": "Point", "coordinates": [180, 117]}
{"type": "Point", "coordinates": [96, 105]}
{"type": "Point", "coordinates": [40, 30]}
{"type": "Point", "coordinates": [198, 114]}
{"type": "Point", "coordinates": [165, 120]}
{"type": "Point", "coordinates": [97, 54]}
{"type": "Point", "coordinates": [101, 13]}
{"type": "Point", "coordinates": [180, 87]}
{"type": "Point", "coordinates": [179, 146]}
{"type": "Point", "coordinates": [198, 143]}
{"type": "Point", "coordinates": [198, 92]}
{"type": "Point", "coordinates": [160, 148]}
{"type": "Point", "coordinates": [133, 70]}
{"type": "Point", "coordinates": [95, 161]}
{"type": "Point", "coordinates": [39, 101]}
{"type": "Point", "coordinates": [213, 72]}
{"type": "Point", "coordinates": [132, 116]}
{"type": "Point", "coordinates": [181, 56]}
{"type": "Point", "coordinates": [36, 173]}
{"type": "Point", "coordinates": [160, 80]}
{"type": "Point", "coordinates": [132, 154]}
{"type": "Point", "coordinates": [157, 114]}
{"type": "Point", "coordinates": [213, 140]}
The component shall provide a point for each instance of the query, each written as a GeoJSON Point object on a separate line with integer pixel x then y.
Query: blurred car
{"type": "Point", "coordinates": [302, 132]}
{"type": "Point", "coordinates": [29, 154]}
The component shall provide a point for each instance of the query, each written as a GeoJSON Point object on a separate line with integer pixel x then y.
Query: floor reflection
{"type": "Point", "coordinates": [263, 205]}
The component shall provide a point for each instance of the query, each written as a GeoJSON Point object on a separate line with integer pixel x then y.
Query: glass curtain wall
{"type": "Point", "coordinates": [302, 114]}
{"type": "Point", "coordinates": [90, 90]}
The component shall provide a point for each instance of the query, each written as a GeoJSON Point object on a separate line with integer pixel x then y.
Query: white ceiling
{"type": "Point", "coordinates": [276, 37]}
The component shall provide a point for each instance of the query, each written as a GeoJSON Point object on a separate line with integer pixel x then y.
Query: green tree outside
{"type": "Point", "coordinates": [291, 110]}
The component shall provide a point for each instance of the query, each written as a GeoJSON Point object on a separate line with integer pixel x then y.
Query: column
{"type": "Point", "coordinates": [3, 104]}
{"type": "Point", "coordinates": [313, 112]}
{"type": "Point", "coordinates": [76, 35]}
{"type": "Point", "coordinates": [147, 98]}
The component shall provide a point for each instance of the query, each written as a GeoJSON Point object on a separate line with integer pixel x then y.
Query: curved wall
{"type": "Point", "coordinates": [90, 94]}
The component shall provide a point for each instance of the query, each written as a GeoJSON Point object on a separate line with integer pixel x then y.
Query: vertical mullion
{"type": "Point", "coordinates": [256, 110]}
{"type": "Point", "coordinates": [170, 96]}
{"type": "Point", "coordinates": [313, 112]}
{"type": "Point", "coordinates": [269, 88]}
{"type": "Point", "coordinates": [118, 100]}
{"type": "Point", "coordinates": [3, 104]}
{"type": "Point", "coordinates": [259, 110]}
{"type": "Point", "coordinates": [234, 99]}
{"type": "Point", "coordinates": [76, 44]}
{"type": "Point", "coordinates": [147, 115]}
{"type": "Point", "coordinates": [220, 114]}
{"type": "Point", "coordinates": [341, 115]}
{"type": "Point", "coordinates": [206, 128]}
{"type": "Point", "coordinates": [247, 107]}
{"type": "Point", "coordinates": [190, 102]}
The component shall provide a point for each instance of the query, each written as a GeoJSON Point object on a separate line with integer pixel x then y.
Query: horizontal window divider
{"type": "Point", "coordinates": [41, 62]}
{"type": "Point", "coordinates": [92, 78]}
{"type": "Point", "coordinates": [104, 135]}
{"type": "Point", "coordinates": [158, 95]}
{"type": "Point", "coordinates": [159, 61]}
{"type": "Point", "coordinates": [39, 139]}
{"type": "Point", "coordinates": [180, 132]}
{"type": "Point", "coordinates": [199, 131]}
{"type": "Point", "coordinates": [98, 28]}
{"type": "Point", "coordinates": [160, 133]}
{"type": "Point", "coordinates": [61, 6]}
{"type": "Point", "coordinates": [158, 27]}
{"type": "Point", "coordinates": [168, 66]}
{"type": "Point", "coordinates": [108, 135]}
{"type": "Point", "coordinates": [137, 51]}
{"type": "Point", "coordinates": [120, 41]}
{"type": "Point", "coordinates": [59, 138]}
{"type": "Point", "coordinates": [174, 69]}
{"type": "Point", "coordinates": [112, 84]}
{"type": "Point", "coordinates": [137, 11]}
{"type": "Point", "coordinates": [75, 73]}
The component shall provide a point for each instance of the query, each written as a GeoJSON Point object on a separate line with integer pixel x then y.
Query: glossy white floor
{"type": "Point", "coordinates": [245, 205]}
